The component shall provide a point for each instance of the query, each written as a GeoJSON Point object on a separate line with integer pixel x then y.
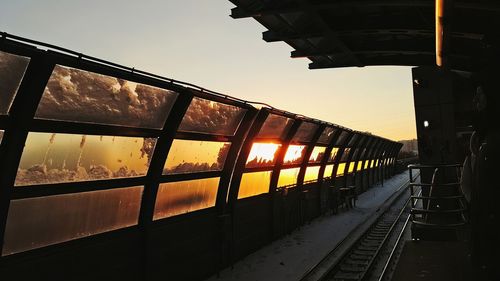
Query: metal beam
{"type": "Point", "coordinates": [273, 36]}
{"type": "Point", "coordinates": [293, 7]}
{"type": "Point", "coordinates": [329, 33]}
{"type": "Point", "coordinates": [300, 54]}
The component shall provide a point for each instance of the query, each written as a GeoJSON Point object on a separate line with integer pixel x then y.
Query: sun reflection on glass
{"type": "Point", "coordinates": [294, 154]}
{"type": "Point", "coordinates": [262, 154]}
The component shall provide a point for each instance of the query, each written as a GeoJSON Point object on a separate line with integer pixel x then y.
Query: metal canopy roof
{"type": "Point", "coordinates": [343, 33]}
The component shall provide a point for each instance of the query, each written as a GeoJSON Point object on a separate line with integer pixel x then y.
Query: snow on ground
{"type": "Point", "coordinates": [290, 257]}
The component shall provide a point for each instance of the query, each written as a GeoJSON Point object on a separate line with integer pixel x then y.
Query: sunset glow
{"type": "Point", "coordinates": [294, 153]}
{"type": "Point", "coordinates": [262, 154]}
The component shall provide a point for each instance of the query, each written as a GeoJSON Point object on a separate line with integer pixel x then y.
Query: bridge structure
{"type": "Point", "coordinates": [109, 172]}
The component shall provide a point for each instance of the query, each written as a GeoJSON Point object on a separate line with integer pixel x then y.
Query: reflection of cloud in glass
{"type": "Point", "coordinates": [345, 154]}
{"type": "Point", "coordinates": [317, 154]}
{"type": "Point", "coordinates": [186, 156]}
{"type": "Point", "coordinates": [275, 127]}
{"type": "Point", "coordinates": [77, 95]}
{"type": "Point", "coordinates": [262, 155]}
{"type": "Point", "coordinates": [305, 132]}
{"type": "Point", "coordinates": [175, 198]}
{"type": "Point", "coordinates": [333, 154]}
{"type": "Point", "coordinates": [205, 116]}
{"type": "Point", "coordinates": [12, 69]}
{"type": "Point", "coordinates": [42, 221]}
{"type": "Point", "coordinates": [53, 158]}
{"type": "Point", "coordinates": [294, 154]}
{"type": "Point", "coordinates": [327, 135]}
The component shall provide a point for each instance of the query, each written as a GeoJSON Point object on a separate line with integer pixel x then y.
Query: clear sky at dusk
{"type": "Point", "coordinates": [196, 41]}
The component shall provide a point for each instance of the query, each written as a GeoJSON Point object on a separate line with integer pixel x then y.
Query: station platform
{"type": "Point", "coordinates": [433, 261]}
{"type": "Point", "coordinates": [293, 255]}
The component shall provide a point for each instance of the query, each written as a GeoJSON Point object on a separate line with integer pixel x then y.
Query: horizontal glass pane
{"type": "Point", "coordinates": [363, 154]}
{"type": "Point", "coordinates": [38, 222]}
{"type": "Point", "coordinates": [340, 169]}
{"type": "Point", "coordinates": [81, 96]}
{"type": "Point", "coordinates": [253, 184]}
{"type": "Point", "coordinates": [355, 153]}
{"type": "Point", "coordinates": [312, 173]}
{"type": "Point", "coordinates": [340, 140]}
{"type": "Point", "coordinates": [317, 154]}
{"type": "Point", "coordinates": [333, 154]}
{"type": "Point", "coordinates": [54, 158]}
{"type": "Point", "coordinates": [345, 155]}
{"type": "Point", "coordinates": [275, 127]}
{"type": "Point", "coordinates": [187, 156]}
{"type": "Point", "coordinates": [305, 132]}
{"type": "Point", "coordinates": [328, 171]}
{"type": "Point", "coordinates": [360, 166]}
{"type": "Point", "coordinates": [288, 177]}
{"type": "Point", "coordinates": [210, 117]}
{"type": "Point", "coordinates": [262, 155]}
{"type": "Point", "coordinates": [327, 135]}
{"type": "Point", "coordinates": [294, 154]}
{"type": "Point", "coordinates": [353, 140]}
{"type": "Point", "coordinates": [351, 167]}
{"type": "Point", "coordinates": [175, 198]}
{"type": "Point", "coordinates": [12, 69]}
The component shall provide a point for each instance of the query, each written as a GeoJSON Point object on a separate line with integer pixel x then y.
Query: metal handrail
{"type": "Point", "coordinates": [426, 210]}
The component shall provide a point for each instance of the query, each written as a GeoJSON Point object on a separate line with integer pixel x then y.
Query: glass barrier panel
{"type": "Point", "coordinates": [210, 117]}
{"type": "Point", "coordinates": [288, 177]}
{"type": "Point", "coordinates": [262, 154]}
{"type": "Point", "coordinates": [188, 156]}
{"type": "Point", "coordinates": [294, 154]}
{"type": "Point", "coordinates": [275, 127]}
{"type": "Point", "coordinates": [175, 198]}
{"type": "Point", "coordinates": [363, 153]}
{"type": "Point", "coordinates": [333, 154]}
{"type": "Point", "coordinates": [360, 166]}
{"type": "Point", "coordinates": [55, 158]}
{"type": "Point", "coordinates": [317, 154]}
{"type": "Point", "coordinates": [351, 167]}
{"type": "Point", "coordinates": [341, 138]}
{"type": "Point", "coordinates": [328, 171]}
{"type": "Point", "coordinates": [305, 132]}
{"type": "Point", "coordinates": [81, 96]}
{"type": "Point", "coordinates": [340, 169]}
{"type": "Point", "coordinates": [355, 153]}
{"type": "Point", "coordinates": [253, 184]}
{"type": "Point", "coordinates": [312, 173]}
{"type": "Point", "coordinates": [327, 135]}
{"type": "Point", "coordinates": [37, 222]}
{"type": "Point", "coordinates": [345, 155]}
{"type": "Point", "coordinates": [12, 69]}
{"type": "Point", "coordinates": [352, 140]}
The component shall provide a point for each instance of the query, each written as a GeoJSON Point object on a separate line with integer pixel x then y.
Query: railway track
{"type": "Point", "coordinates": [367, 256]}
